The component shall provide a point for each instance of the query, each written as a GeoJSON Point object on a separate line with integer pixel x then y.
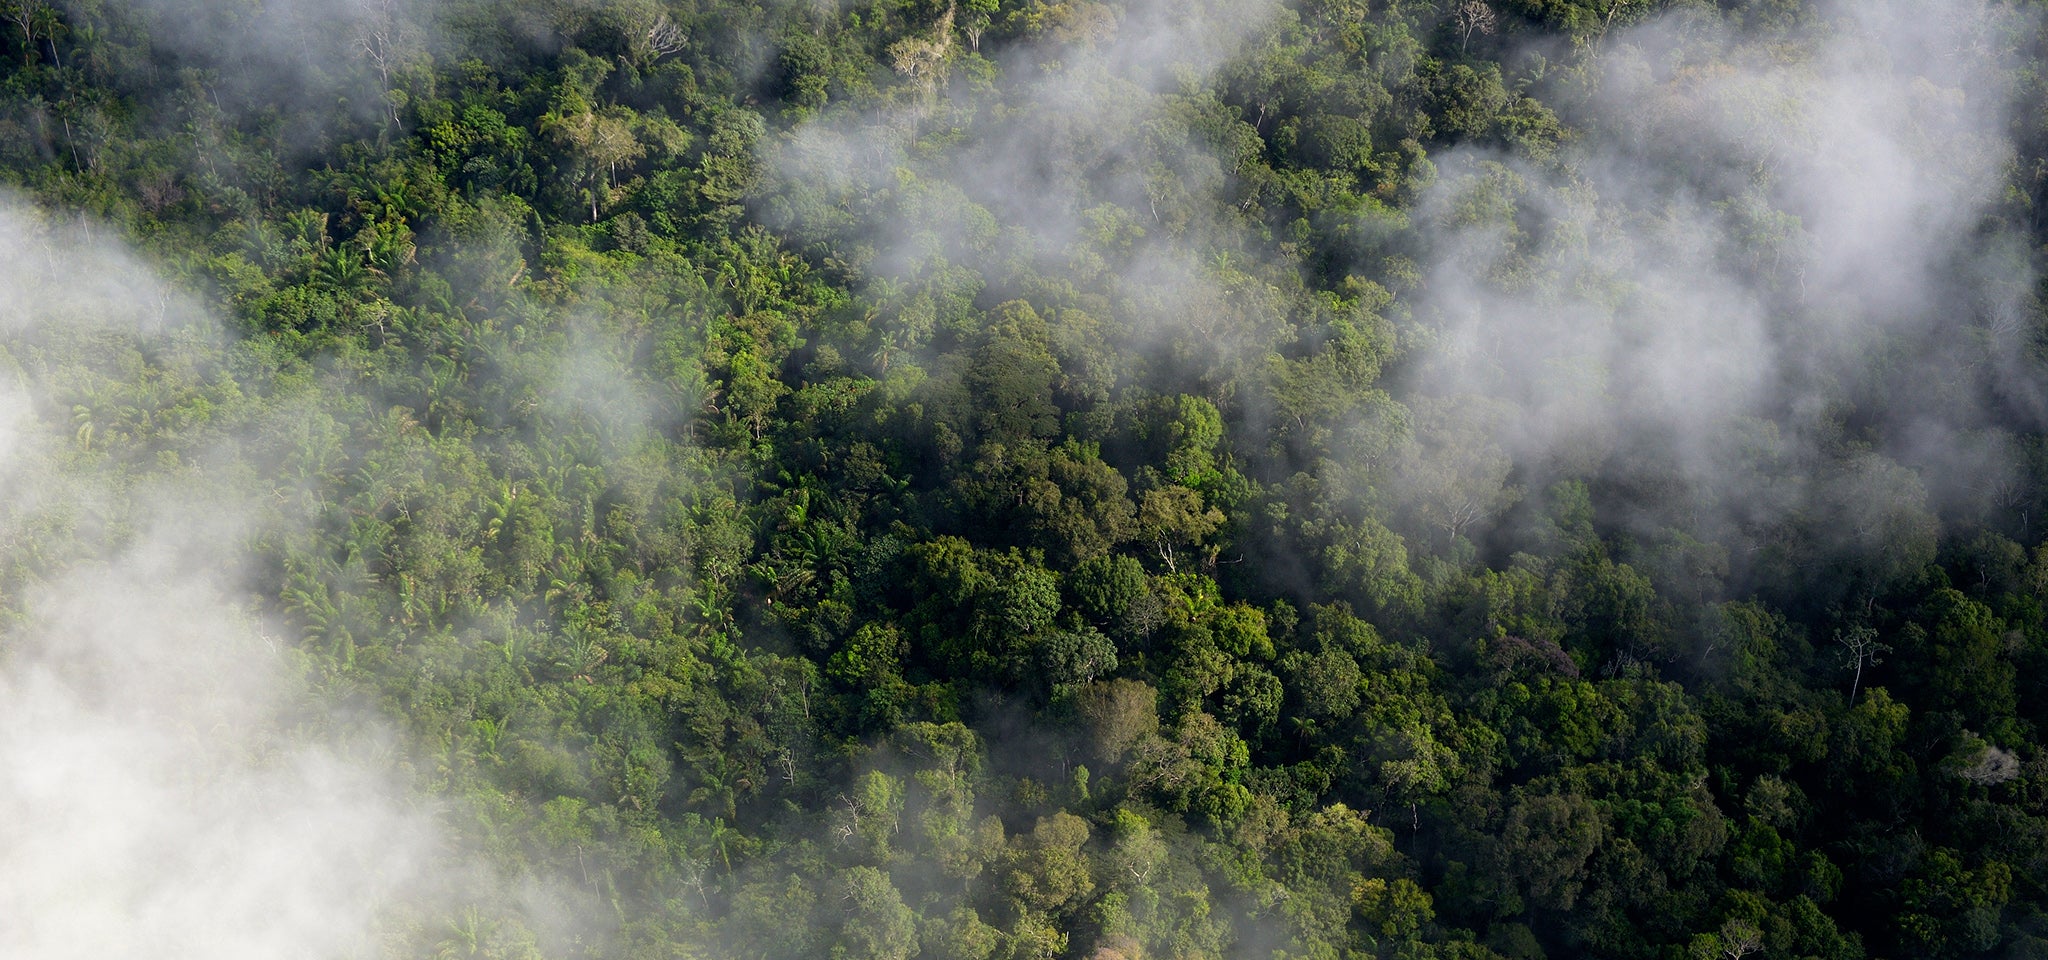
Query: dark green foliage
{"type": "Point", "coordinates": [864, 561]}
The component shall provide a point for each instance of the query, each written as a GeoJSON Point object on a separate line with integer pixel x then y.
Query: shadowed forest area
{"type": "Point", "coordinates": [973, 479]}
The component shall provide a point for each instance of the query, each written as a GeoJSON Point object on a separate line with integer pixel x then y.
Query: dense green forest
{"type": "Point", "coordinates": [1481, 479]}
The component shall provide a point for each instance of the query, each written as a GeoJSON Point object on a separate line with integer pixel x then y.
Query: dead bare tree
{"type": "Point", "coordinates": [665, 38]}
{"type": "Point", "coordinates": [1607, 22]}
{"type": "Point", "coordinates": [379, 43]}
{"type": "Point", "coordinates": [1473, 16]}
{"type": "Point", "coordinates": [1992, 766]}
{"type": "Point", "coordinates": [25, 14]}
{"type": "Point", "coordinates": [1860, 649]}
{"type": "Point", "coordinates": [924, 60]}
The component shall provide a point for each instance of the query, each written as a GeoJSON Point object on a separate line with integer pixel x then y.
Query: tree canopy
{"type": "Point", "coordinates": [1482, 479]}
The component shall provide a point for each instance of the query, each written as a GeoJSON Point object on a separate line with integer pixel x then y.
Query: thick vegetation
{"type": "Point", "coordinates": [762, 505]}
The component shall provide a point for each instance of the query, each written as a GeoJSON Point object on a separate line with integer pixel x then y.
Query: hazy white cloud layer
{"type": "Point", "coordinates": [154, 803]}
{"type": "Point", "coordinates": [166, 788]}
{"type": "Point", "coordinates": [53, 271]}
{"type": "Point", "coordinates": [1084, 127]}
{"type": "Point", "coordinates": [1749, 228]}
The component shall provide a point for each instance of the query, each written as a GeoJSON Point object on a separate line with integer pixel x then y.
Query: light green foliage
{"type": "Point", "coordinates": [839, 480]}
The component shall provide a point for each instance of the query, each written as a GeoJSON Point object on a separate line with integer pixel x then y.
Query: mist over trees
{"type": "Point", "coordinates": [1480, 479]}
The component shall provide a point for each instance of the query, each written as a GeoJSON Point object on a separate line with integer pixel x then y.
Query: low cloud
{"type": "Point", "coordinates": [176, 778]}
{"type": "Point", "coordinates": [1795, 230]}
